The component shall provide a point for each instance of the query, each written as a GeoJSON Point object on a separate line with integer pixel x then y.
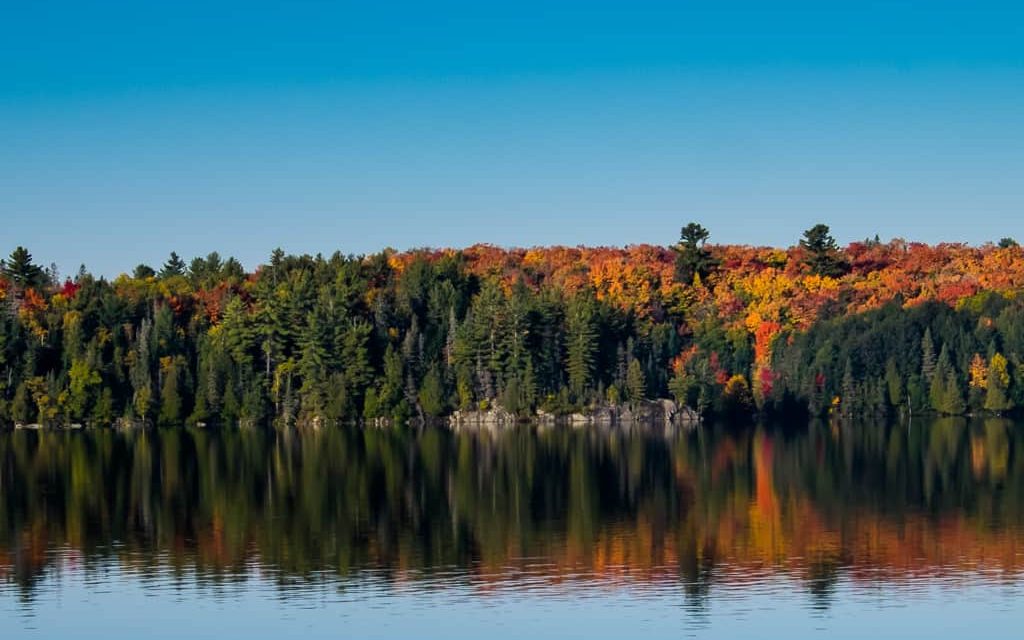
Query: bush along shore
{"type": "Point", "coordinates": [482, 334]}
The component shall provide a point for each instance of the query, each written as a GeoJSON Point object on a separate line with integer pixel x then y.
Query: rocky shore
{"type": "Point", "coordinates": [649, 414]}
{"type": "Point", "coordinates": [655, 413]}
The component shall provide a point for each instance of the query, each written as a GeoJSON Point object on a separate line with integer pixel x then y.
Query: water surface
{"type": "Point", "coordinates": [805, 530]}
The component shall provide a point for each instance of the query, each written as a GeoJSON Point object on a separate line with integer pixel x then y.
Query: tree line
{"type": "Point", "coordinates": [393, 336]}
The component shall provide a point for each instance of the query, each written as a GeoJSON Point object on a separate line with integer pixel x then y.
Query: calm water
{"type": "Point", "coordinates": [913, 530]}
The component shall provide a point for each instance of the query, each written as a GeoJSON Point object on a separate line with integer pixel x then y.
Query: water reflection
{"type": "Point", "coordinates": [709, 513]}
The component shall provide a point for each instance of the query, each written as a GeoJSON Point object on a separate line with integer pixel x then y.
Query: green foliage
{"type": "Point", "coordinates": [174, 266]}
{"type": "Point", "coordinates": [82, 379]}
{"type": "Point", "coordinates": [692, 257]}
{"type": "Point", "coordinates": [171, 402]}
{"type": "Point", "coordinates": [581, 343]}
{"type": "Point", "coordinates": [635, 384]}
{"type": "Point", "coordinates": [19, 269]}
{"type": "Point", "coordinates": [894, 347]}
{"type": "Point", "coordinates": [431, 394]}
{"type": "Point", "coordinates": [823, 256]}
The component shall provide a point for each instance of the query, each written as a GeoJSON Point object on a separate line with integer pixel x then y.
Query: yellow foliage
{"type": "Point", "coordinates": [72, 320]}
{"type": "Point", "coordinates": [817, 284]}
{"type": "Point", "coordinates": [979, 372]}
{"type": "Point", "coordinates": [753, 321]}
{"type": "Point", "coordinates": [997, 367]}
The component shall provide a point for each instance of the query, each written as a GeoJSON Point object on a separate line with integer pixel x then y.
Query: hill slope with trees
{"type": "Point", "coordinates": [815, 328]}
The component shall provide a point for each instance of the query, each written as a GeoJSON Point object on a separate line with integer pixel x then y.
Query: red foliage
{"type": "Point", "coordinates": [69, 289]}
{"type": "Point", "coordinates": [213, 301]}
{"type": "Point", "coordinates": [763, 337]}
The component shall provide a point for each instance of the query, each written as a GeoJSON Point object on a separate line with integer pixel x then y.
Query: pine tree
{"type": "Point", "coordinates": [140, 371]}
{"type": "Point", "coordinates": [849, 391]}
{"type": "Point", "coordinates": [313, 365]}
{"type": "Point", "coordinates": [953, 400]}
{"type": "Point", "coordinates": [894, 383]}
{"type": "Point", "coordinates": [635, 383]}
{"type": "Point", "coordinates": [529, 385]}
{"type": "Point", "coordinates": [581, 343]}
{"type": "Point", "coordinates": [174, 266]}
{"type": "Point", "coordinates": [693, 260]}
{"type": "Point", "coordinates": [823, 252]}
{"type": "Point", "coordinates": [21, 406]}
{"type": "Point", "coordinates": [20, 269]}
{"type": "Point", "coordinates": [170, 393]}
{"type": "Point", "coordinates": [940, 388]}
{"type": "Point", "coordinates": [103, 410]}
{"type": "Point", "coordinates": [927, 356]}
{"type": "Point", "coordinates": [431, 395]}
{"type": "Point", "coordinates": [391, 394]}
{"type": "Point", "coordinates": [355, 358]}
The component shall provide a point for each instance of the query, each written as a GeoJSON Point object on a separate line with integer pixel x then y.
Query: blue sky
{"type": "Point", "coordinates": [130, 129]}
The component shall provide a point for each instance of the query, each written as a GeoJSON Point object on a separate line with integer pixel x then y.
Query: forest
{"type": "Point", "coordinates": [880, 328]}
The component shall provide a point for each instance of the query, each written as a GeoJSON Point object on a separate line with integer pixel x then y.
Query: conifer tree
{"type": "Point", "coordinates": [693, 260]}
{"type": "Point", "coordinates": [635, 383]}
{"type": "Point", "coordinates": [893, 382]}
{"type": "Point", "coordinates": [170, 393]}
{"type": "Point", "coordinates": [581, 343]}
{"type": "Point", "coordinates": [927, 356]}
{"type": "Point", "coordinates": [823, 256]}
{"type": "Point", "coordinates": [19, 269]}
{"type": "Point", "coordinates": [998, 380]}
{"type": "Point", "coordinates": [953, 398]}
{"type": "Point", "coordinates": [174, 266]}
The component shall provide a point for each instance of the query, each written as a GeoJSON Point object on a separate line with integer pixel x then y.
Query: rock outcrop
{"type": "Point", "coordinates": [654, 413]}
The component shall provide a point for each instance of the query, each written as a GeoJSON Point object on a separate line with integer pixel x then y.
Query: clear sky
{"type": "Point", "coordinates": [130, 129]}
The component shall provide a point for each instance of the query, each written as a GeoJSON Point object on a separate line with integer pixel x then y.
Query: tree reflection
{"type": "Point", "coordinates": [698, 508]}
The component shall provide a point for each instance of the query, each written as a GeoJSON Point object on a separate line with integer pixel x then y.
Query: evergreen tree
{"type": "Point", "coordinates": [391, 397]}
{"type": "Point", "coordinates": [635, 384]}
{"type": "Point", "coordinates": [140, 372]}
{"type": "Point", "coordinates": [22, 408]}
{"type": "Point", "coordinates": [174, 266]}
{"type": "Point", "coordinates": [355, 358]}
{"type": "Point", "coordinates": [953, 399]}
{"type": "Point", "coordinates": [927, 356]}
{"type": "Point", "coordinates": [823, 256]}
{"type": "Point", "coordinates": [313, 365]}
{"type": "Point", "coordinates": [20, 269]}
{"type": "Point", "coordinates": [581, 343]}
{"type": "Point", "coordinates": [170, 393]}
{"type": "Point", "coordinates": [431, 394]}
{"type": "Point", "coordinates": [692, 257]}
{"type": "Point", "coordinates": [940, 389]}
{"type": "Point", "coordinates": [894, 383]}
{"type": "Point", "coordinates": [849, 391]}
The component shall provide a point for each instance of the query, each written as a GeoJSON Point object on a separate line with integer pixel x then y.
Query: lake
{"type": "Point", "coordinates": [912, 529]}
